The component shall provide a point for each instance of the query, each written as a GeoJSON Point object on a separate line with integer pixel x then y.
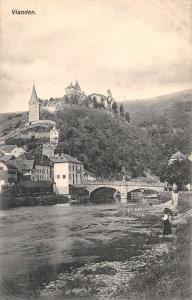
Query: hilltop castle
{"type": "Point", "coordinates": [73, 96]}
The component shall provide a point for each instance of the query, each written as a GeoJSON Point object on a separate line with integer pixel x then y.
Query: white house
{"type": "Point", "coordinates": [67, 171]}
{"type": "Point", "coordinates": [54, 135]}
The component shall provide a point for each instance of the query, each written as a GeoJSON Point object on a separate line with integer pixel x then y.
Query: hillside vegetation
{"type": "Point", "coordinates": [105, 142]}
{"type": "Point", "coordinates": [167, 120]}
{"type": "Point", "coordinates": [109, 145]}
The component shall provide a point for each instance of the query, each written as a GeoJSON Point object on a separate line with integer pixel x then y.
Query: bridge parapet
{"type": "Point", "coordinates": [125, 183]}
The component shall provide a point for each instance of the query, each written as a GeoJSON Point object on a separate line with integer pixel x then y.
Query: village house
{"type": "Point", "coordinates": [49, 148]}
{"type": "Point", "coordinates": [88, 176]}
{"type": "Point", "coordinates": [24, 163]}
{"type": "Point", "coordinates": [178, 156]}
{"type": "Point", "coordinates": [42, 169]}
{"type": "Point", "coordinates": [67, 171]}
{"type": "Point", "coordinates": [12, 150]}
{"type": "Point", "coordinates": [54, 135]}
{"type": "Point", "coordinates": [34, 173]}
{"type": "Point", "coordinates": [8, 174]}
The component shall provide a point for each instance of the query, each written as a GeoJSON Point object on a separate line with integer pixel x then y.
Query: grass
{"type": "Point", "coordinates": [170, 279]}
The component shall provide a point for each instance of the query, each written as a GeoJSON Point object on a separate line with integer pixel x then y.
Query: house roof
{"type": "Point", "coordinates": [54, 128]}
{"type": "Point", "coordinates": [26, 156]}
{"type": "Point", "coordinates": [43, 161]}
{"type": "Point", "coordinates": [7, 148]}
{"type": "Point", "coordinates": [34, 99]}
{"type": "Point", "coordinates": [178, 155]}
{"type": "Point", "coordinates": [23, 165]}
{"type": "Point", "coordinates": [6, 157]}
{"type": "Point", "coordinates": [9, 165]}
{"type": "Point", "coordinates": [64, 158]}
{"type": "Point", "coordinates": [24, 161]}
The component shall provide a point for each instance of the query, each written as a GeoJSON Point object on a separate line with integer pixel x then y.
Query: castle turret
{"type": "Point", "coordinates": [34, 107]}
{"type": "Point", "coordinates": [77, 86]}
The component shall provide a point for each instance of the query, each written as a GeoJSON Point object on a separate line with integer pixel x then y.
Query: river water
{"type": "Point", "coordinates": [37, 243]}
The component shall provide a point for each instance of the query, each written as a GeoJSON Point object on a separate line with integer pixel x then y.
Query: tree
{"type": "Point", "coordinates": [115, 107]}
{"type": "Point", "coordinates": [178, 172]}
{"type": "Point", "coordinates": [32, 144]}
{"type": "Point", "coordinates": [121, 110]}
{"type": "Point", "coordinates": [127, 117]}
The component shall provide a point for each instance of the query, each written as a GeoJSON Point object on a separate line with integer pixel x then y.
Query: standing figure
{"type": "Point", "coordinates": [166, 222]}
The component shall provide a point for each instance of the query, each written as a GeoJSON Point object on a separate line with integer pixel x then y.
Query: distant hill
{"type": "Point", "coordinates": [167, 119]}
{"type": "Point", "coordinates": [146, 109]}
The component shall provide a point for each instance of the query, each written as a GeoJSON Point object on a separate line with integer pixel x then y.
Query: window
{"type": "Point", "coordinates": [58, 176]}
{"type": "Point", "coordinates": [64, 176]}
{"type": "Point", "coordinates": [69, 167]}
{"type": "Point", "coordinates": [73, 168]}
{"type": "Point", "coordinates": [1, 168]}
{"type": "Point", "coordinates": [70, 176]}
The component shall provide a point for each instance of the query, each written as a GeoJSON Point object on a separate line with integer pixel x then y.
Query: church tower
{"type": "Point", "coordinates": [54, 135]}
{"type": "Point", "coordinates": [34, 107]}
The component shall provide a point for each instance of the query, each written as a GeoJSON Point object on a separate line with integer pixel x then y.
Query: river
{"type": "Point", "coordinates": [37, 243]}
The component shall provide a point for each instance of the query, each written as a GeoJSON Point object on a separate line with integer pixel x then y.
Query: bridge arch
{"type": "Point", "coordinates": [152, 188]}
{"type": "Point", "coordinates": [91, 189]}
{"type": "Point", "coordinates": [104, 194]}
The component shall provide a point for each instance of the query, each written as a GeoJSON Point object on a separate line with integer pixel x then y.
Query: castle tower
{"type": "Point", "coordinates": [34, 107]}
{"type": "Point", "coordinates": [54, 135]}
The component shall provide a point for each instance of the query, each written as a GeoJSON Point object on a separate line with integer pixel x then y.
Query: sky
{"type": "Point", "coordinates": [137, 49]}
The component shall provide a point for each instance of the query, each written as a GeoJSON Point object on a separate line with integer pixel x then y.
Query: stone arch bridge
{"type": "Point", "coordinates": [124, 187]}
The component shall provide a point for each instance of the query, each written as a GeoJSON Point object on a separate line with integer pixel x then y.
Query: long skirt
{"type": "Point", "coordinates": [166, 227]}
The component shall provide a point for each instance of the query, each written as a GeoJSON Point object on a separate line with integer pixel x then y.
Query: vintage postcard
{"type": "Point", "coordinates": [95, 149]}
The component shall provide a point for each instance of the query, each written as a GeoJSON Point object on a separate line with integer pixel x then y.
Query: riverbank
{"type": "Point", "coordinates": [13, 201]}
{"type": "Point", "coordinates": [161, 271]}
{"type": "Point", "coordinates": [170, 276]}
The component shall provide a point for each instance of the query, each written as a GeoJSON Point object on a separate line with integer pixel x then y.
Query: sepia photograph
{"type": "Point", "coordinates": [95, 149]}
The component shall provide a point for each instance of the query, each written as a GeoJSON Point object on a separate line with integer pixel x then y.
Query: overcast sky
{"type": "Point", "coordinates": [136, 48]}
